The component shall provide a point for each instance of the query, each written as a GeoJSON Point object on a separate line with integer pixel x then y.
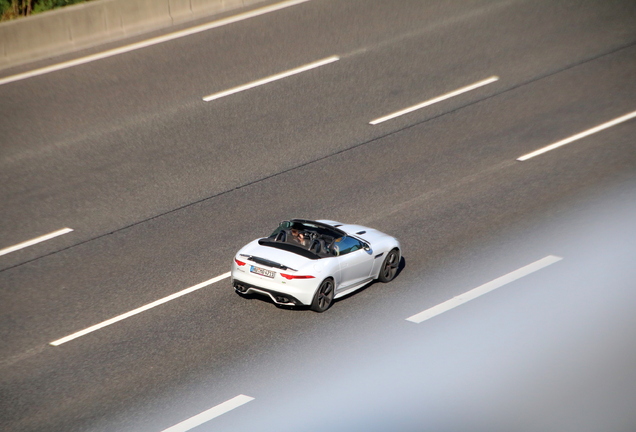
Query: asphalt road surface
{"type": "Point", "coordinates": [160, 188]}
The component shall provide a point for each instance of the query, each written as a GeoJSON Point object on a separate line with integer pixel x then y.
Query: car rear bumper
{"type": "Point", "coordinates": [277, 297]}
{"type": "Point", "coordinates": [299, 291]}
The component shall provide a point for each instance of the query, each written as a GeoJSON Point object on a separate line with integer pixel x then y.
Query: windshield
{"type": "Point", "coordinates": [345, 245]}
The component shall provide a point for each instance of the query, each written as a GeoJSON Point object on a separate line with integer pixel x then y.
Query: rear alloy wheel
{"type": "Point", "coordinates": [324, 296]}
{"type": "Point", "coordinates": [390, 266]}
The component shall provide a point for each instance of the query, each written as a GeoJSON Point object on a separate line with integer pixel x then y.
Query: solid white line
{"type": "Point", "coordinates": [483, 289]}
{"type": "Point", "coordinates": [208, 415]}
{"type": "Point", "coordinates": [272, 78]}
{"type": "Point", "coordinates": [153, 41]}
{"type": "Point", "coordinates": [139, 310]}
{"type": "Point", "coordinates": [435, 100]}
{"type": "Point", "coordinates": [579, 136]}
{"type": "Point", "coordinates": [35, 241]}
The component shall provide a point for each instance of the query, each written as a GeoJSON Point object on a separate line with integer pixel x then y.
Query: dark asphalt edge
{"type": "Point", "coordinates": [355, 146]}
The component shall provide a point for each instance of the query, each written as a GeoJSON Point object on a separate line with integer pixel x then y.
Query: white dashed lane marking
{"type": "Point", "coordinates": [435, 100]}
{"type": "Point", "coordinates": [138, 310]}
{"type": "Point", "coordinates": [272, 78]}
{"type": "Point", "coordinates": [208, 415]}
{"type": "Point", "coordinates": [579, 136]}
{"type": "Point", "coordinates": [35, 241]}
{"type": "Point", "coordinates": [483, 289]}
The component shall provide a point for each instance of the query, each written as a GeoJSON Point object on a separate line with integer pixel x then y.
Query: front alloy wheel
{"type": "Point", "coordinates": [390, 266]}
{"type": "Point", "coordinates": [324, 296]}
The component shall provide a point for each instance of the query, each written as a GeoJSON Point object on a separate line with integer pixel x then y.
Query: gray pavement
{"type": "Point", "coordinates": [162, 188]}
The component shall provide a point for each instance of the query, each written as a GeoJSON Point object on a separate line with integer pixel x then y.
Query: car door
{"type": "Point", "coordinates": [355, 263]}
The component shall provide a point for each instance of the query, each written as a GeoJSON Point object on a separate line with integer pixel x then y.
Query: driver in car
{"type": "Point", "coordinates": [298, 237]}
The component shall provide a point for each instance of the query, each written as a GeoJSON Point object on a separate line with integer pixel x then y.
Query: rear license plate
{"type": "Point", "coordinates": [262, 272]}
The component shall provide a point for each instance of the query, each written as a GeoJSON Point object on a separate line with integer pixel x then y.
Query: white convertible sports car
{"type": "Point", "coordinates": [311, 263]}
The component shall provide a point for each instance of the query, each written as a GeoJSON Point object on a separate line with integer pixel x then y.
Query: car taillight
{"type": "Point", "coordinates": [290, 277]}
{"type": "Point", "coordinates": [241, 263]}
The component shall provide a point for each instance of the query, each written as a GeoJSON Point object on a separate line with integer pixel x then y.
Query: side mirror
{"type": "Point", "coordinates": [366, 247]}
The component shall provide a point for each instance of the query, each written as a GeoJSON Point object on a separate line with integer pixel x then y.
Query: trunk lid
{"type": "Point", "coordinates": [273, 257]}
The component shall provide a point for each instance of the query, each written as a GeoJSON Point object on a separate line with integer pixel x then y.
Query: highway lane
{"type": "Point", "coordinates": [428, 171]}
{"type": "Point", "coordinates": [144, 361]}
{"type": "Point", "coordinates": [551, 351]}
{"type": "Point", "coordinates": [168, 365]}
{"type": "Point", "coordinates": [136, 122]}
{"type": "Point", "coordinates": [116, 95]}
{"type": "Point", "coordinates": [446, 187]}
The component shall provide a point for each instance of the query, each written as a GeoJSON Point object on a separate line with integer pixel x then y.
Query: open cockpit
{"type": "Point", "coordinates": [315, 239]}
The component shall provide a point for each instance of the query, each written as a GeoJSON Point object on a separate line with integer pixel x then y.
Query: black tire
{"type": "Point", "coordinates": [389, 266]}
{"type": "Point", "coordinates": [324, 296]}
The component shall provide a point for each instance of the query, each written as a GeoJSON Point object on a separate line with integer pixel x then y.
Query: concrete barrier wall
{"type": "Point", "coordinates": [83, 25]}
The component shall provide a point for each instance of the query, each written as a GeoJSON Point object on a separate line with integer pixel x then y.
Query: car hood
{"type": "Point", "coordinates": [367, 234]}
